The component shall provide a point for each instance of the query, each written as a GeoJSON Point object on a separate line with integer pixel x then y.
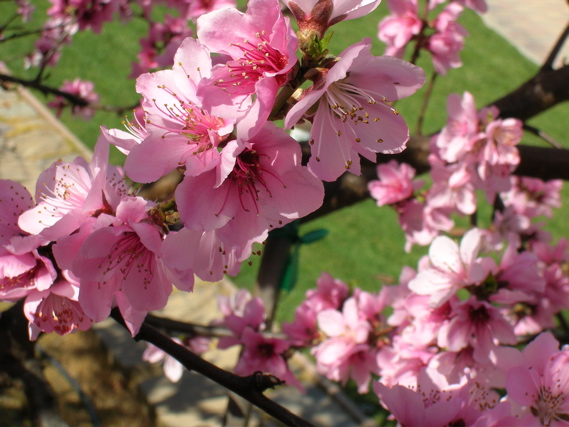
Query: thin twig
{"type": "Point", "coordinates": [175, 326]}
{"type": "Point", "coordinates": [546, 137]}
{"type": "Point", "coordinates": [250, 388]}
{"type": "Point", "coordinates": [426, 100]}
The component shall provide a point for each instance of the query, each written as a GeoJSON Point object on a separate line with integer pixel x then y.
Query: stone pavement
{"type": "Point", "coordinates": [31, 138]}
{"type": "Point", "coordinates": [532, 26]}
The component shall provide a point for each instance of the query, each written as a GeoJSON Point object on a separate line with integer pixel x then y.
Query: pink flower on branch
{"type": "Point", "coordinates": [319, 15]}
{"type": "Point", "coordinates": [69, 193]}
{"type": "Point", "coordinates": [260, 185]}
{"type": "Point", "coordinates": [353, 116]}
{"type": "Point", "coordinates": [395, 183]}
{"type": "Point", "coordinates": [84, 91]}
{"type": "Point", "coordinates": [262, 47]}
{"type": "Point", "coordinates": [452, 268]}
{"type": "Point", "coordinates": [541, 382]}
{"type": "Point", "coordinates": [121, 263]}
{"type": "Point", "coordinates": [22, 268]}
{"type": "Point", "coordinates": [56, 310]}
{"type": "Point", "coordinates": [397, 29]}
{"type": "Point", "coordinates": [179, 132]}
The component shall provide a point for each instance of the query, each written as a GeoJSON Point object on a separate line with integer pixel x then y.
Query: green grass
{"type": "Point", "coordinates": [365, 244]}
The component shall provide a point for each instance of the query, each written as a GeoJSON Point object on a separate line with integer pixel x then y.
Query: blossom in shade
{"type": "Point", "coordinates": [262, 354]}
{"type": "Point", "coordinates": [173, 369]}
{"type": "Point", "coordinates": [477, 324]}
{"type": "Point", "coordinates": [56, 310]}
{"type": "Point", "coordinates": [353, 116]}
{"type": "Point", "coordinates": [201, 253]}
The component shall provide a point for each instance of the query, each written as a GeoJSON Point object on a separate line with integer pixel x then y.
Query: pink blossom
{"type": "Point", "coordinates": [25, 10]}
{"type": "Point", "coordinates": [55, 310]}
{"type": "Point", "coordinates": [477, 324]}
{"type": "Point", "coordinates": [533, 197]}
{"type": "Point", "coordinates": [397, 29]}
{"type": "Point", "coordinates": [330, 293]}
{"type": "Point", "coordinates": [22, 268]}
{"type": "Point", "coordinates": [262, 47]}
{"type": "Point", "coordinates": [395, 183]}
{"type": "Point", "coordinates": [261, 354]}
{"type": "Point", "coordinates": [68, 193]}
{"type": "Point", "coordinates": [435, 402]}
{"type": "Point", "coordinates": [462, 126]}
{"type": "Point", "coordinates": [452, 267]}
{"type": "Point", "coordinates": [303, 330]}
{"type": "Point", "coordinates": [241, 311]}
{"type": "Point", "coordinates": [421, 223]}
{"type": "Point", "coordinates": [259, 185]}
{"type": "Point", "coordinates": [89, 14]}
{"type": "Point", "coordinates": [85, 91]}
{"type": "Point", "coordinates": [401, 362]}
{"type": "Point", "coordinates": [123, 262]}
{"type": "Point", "coordinates": [446, 44]}
{"type": "Point", "coordinates": [178, 131]}
{"type": "Point", "coordinates": [198, 8]}
{"type": "Point", "coordinates": [318, 15]}
{"type": "Point", "coordinates": [352, 116]}
{"type": "Point", "coordinates": [477, 5]}
{"type": "Point", "coordinates": [202, 253]}
{"type": "Point", "coordinates": [346, 353]}
{"type": "Point", "coordinates": [135, 133]}
{"type": "Point", "coordinates": [541, 383]}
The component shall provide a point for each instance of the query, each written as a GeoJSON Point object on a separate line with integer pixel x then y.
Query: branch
{"type": "Point", "coordinates": [250, 388]}
{"type": "Point", "coordinates": [548, 64]}
{"type": "Point", "coordinates": [73, 99]}
{"type": "Point", "coordinates": [175, 326]}
{"type": "Point", "coordinates": [543, 91]}
{"type": "Point", "coordinates": [46, 90]}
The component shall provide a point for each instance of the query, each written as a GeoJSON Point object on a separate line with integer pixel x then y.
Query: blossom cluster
{"type": "Point", "coordinates": [474, 152]}
{"type": "Point", "coordinates": [445, 334]}
{"type": "Point", "coordinates": [438, 346]}
{"type": "Point", "coordinates": [442, 37]}
{"type": "Point", "coordinates": [92, 244]}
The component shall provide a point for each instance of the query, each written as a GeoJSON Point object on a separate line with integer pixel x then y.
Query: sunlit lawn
{"type": "Point", "coordinates": [364, 245]}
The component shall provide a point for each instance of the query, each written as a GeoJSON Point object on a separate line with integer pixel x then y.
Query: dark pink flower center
{"type": "Point", "coordinates": [128, 254]}
{"type": "Point", "coordinates": [257, 61]}
{"type": "Point", "coordinates": [24, 280]}
{"type": "Point", "coordinates": [190, 121]}
{"type": "Point", "coordinates": [61, 312]}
